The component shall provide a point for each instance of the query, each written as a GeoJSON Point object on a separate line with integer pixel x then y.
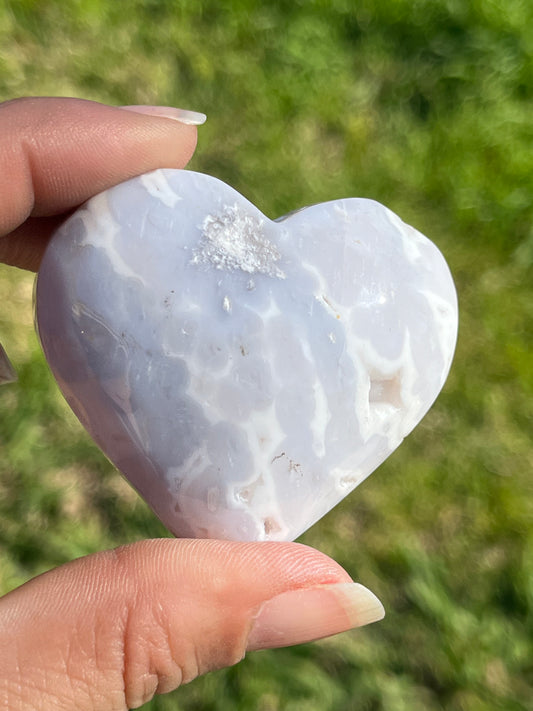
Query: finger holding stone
{"type": "Point", "coordinates": [55, 153]}
{"type": "Point", "coordinates": [112, 629]}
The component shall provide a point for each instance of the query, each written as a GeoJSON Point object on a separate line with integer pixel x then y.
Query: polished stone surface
{"type": "Point", "coordinates": [244, 374]}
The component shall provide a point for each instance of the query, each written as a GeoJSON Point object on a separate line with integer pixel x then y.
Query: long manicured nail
{"type": "Point", "coordinates": [312, 613]}
{"type": "Point", "coordinates": [7, 372]}
{"type": "Point", "coordinates": [191, 118]}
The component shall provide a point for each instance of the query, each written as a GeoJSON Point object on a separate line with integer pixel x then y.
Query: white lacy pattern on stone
{"type": "Point", "coordinates": [243, 374]}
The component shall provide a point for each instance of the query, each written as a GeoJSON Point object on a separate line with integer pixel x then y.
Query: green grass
{"type": "Point", "coordinates": [426, 106]}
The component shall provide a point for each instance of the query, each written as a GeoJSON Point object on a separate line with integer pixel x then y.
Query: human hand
{"type": "Point", "coordinates": [110, 630]}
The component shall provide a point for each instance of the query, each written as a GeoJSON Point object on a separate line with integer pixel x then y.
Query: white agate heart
{"type": "Point", "coordinates": [243, 374]}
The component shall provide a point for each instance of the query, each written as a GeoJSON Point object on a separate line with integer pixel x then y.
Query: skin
{"type": "Point", "coordinates": [110, 630]}
{"type": "Point", "coordinates": [57, 153]}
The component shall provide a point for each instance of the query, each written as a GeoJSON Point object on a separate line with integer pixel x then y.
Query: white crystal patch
{"type": "Point", "coordinates": [234, 239]}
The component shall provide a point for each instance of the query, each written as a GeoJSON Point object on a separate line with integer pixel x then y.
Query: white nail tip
{"type": "Point", "coordinates": [191, 118]}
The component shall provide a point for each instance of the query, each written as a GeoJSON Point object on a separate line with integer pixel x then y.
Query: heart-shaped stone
{"type": "Point", "coordinates": [243, 374]}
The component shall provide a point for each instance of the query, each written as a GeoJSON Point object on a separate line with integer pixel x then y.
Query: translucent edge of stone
{"type": "Point", "coordinates": [7, 372]}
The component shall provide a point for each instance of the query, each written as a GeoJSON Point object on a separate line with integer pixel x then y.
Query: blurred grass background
{"type": "Point", "coordinates": [427, 106]}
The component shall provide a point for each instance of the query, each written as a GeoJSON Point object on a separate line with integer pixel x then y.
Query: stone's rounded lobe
{"type": "Point", "coordinates": [244, 375]}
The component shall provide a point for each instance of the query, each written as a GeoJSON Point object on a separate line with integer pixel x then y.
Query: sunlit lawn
{"type": "Point", "coordinates": [426, 107]}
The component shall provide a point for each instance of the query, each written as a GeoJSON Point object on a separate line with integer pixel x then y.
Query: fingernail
{"type": "Point", "coordinates": [312, 613]}
{"type": "Point", "coordinates": [7, 372]}
{"type": "Point", "coordinates": [191, 118]}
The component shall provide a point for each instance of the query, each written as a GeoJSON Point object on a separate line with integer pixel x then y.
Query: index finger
{"type": "Point", "coordinates": [55, 153]}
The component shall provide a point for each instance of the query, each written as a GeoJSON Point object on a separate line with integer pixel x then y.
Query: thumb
{"type": "Point", "coordinates": [111, 630]}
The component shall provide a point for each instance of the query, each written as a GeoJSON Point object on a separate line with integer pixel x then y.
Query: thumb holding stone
{"type": "Point", "coordinates": [115, 628]}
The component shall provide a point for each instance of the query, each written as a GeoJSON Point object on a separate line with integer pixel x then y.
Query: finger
{"type": "Point", "coordinates": [113, 629]}
{"type": "Point", "coordinates": [57, 152]}
{"type": "Point", "coordinates": [24, 246]}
